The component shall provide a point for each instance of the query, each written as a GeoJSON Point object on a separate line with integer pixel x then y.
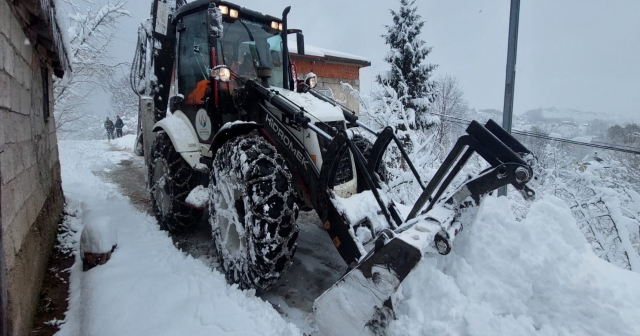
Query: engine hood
{"type": "Point", "coordinates": [317, 110]}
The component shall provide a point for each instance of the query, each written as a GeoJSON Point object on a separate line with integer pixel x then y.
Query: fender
{"type": "Point", "coordinates": [230, 130]}
{"type": "Point", "coordinates": [182, 135]}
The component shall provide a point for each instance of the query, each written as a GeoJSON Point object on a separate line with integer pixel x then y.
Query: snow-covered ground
{"type": "Point", "coordinates": [148, 287]}
{"type": "Point", "coordinates": [504, 277]}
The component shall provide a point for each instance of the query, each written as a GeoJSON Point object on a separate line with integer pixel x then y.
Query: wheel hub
{"type": "Point", "coordinates": [230, 213]}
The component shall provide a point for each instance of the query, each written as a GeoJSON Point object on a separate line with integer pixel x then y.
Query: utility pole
{"type": "Point", "coordinates": [512, 50]}
{"type": "Point", "coordinates": [3, 293]}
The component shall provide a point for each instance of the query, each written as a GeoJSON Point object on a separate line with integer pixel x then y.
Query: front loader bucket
{"type": "Point", "coordinates": [362, 301]}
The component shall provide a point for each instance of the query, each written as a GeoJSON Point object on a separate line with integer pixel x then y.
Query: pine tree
{"type": "Point", "coordinates": [410, 74]}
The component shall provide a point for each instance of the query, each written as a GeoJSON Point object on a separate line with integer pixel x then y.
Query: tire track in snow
{"type": "Point", "coordinates": [317, 265]}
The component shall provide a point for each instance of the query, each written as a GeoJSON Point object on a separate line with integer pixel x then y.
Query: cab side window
{"type": "Point", "coordinates": [193, 58]}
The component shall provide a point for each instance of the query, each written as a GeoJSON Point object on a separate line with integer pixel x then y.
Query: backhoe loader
{"type": "Point", "coordinates": [221, 107]}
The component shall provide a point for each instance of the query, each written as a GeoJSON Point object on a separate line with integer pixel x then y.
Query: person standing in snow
{"type": "Point", "coordinates": [108, 125]}
{"type": "Point", "coordinates": [119, 126]}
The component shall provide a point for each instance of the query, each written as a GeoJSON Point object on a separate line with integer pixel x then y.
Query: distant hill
{"type": "Point", "coordinates": [555, 115]}
{"type": "Point", "coordinates": [493, 112]}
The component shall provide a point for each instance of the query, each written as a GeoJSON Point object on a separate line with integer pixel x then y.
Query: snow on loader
{"type": "Point", "coordinates": [221, 107]}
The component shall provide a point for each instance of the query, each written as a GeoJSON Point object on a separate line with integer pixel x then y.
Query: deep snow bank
{"type": "Point", "coordinates": [534, 277]}
{"type": "Point", "coordinates": [148, 287]}
{"type": "Point", "coordinates": [126, 142]}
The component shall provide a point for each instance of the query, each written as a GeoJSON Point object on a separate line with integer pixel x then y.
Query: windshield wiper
{"type": "Point", "coordinates": [252, 40]}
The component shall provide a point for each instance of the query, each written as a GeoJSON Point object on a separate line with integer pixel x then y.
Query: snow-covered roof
{"type": "Point", "coordinates": [322, 52]}
{"type": "Point", "coordinates": [41, 25]}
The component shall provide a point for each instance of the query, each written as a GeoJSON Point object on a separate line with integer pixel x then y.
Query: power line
{"type": "Point", "coordinates": [623, 149]}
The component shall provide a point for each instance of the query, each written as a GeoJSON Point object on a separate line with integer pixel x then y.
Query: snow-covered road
{"type": "Point", "coordinates": [534, 277]}
{"type": "Point", "coordinates": [120, 174]}
{"type": "Point", "coordinates": [317, 264]}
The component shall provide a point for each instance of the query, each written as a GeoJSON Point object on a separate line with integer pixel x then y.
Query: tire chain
{"type": "Point", "coordinates": [242, 157]}
{"type": "Point", "coordinates": [182, 179]}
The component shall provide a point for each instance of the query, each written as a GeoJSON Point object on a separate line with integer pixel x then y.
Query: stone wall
{"type": "Point", "coordinates": [32, 201]}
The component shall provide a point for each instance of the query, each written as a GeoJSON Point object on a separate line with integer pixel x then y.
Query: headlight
{"type": "Point", "coordinates": [274, 25]}
{"type": "Point", "coordinates": [224, 9]}
{"type": "Point", "coordinates": [221, 73]}
{"type": "Point", "coordinates": [233, 13]}
{"type": "Point", "coordinates": [280, 26]}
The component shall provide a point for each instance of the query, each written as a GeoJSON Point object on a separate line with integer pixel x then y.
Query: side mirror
{"type": "Point", "coordinates": [264, 73]}
{"type": "Point", "coordinates": [174, 102]}
{"type": "Point", "coordinates": [300, 42]}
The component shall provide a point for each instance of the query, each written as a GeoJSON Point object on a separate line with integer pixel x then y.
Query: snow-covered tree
{"type": "Point", "coordinates": [91, 32]}
{"type": "Point", "coordinates": [450, 106]}
{"type": "Point", "coordinates": [629, 137]}
{"type": "Point", "coordinates": [410, 74]}
{"type": "Point", "coordinates": [605, 207]}
{"type": "Point", "coordinates": [123, 101]}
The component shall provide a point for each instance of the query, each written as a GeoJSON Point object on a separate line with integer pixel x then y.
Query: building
{"type": "Point", "coordinates": [332, 68]}
{"type": "Point", "coordinates": [31, 199]}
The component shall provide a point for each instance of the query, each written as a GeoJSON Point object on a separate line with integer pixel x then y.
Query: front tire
{"type": "Point", "coordinates": [170, 181]}
{"type": "Point", "coordinates": [252, 212]}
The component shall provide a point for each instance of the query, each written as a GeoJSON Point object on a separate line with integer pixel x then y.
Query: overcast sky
{"type": "Point", "coordinates": [580, 54]}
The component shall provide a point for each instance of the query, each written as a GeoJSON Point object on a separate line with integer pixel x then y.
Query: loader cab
{"type": "Point", "coordinates": [248, 40]}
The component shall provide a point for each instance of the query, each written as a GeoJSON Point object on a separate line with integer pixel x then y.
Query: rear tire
{"type": "Point", "coordinates": [252, 212]}
{"type": "Point", "coordinates": [170, 181]}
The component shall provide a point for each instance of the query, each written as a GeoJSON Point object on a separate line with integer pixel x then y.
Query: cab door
{"type": "Point", "coordinates": [194, 65]}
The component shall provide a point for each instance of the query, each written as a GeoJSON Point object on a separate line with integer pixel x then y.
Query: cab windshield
{"type": "Point", "coordinates": [247, 45]}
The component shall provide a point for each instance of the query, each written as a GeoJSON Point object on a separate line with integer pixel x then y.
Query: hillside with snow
{"type": "Point", "coordinates": [556, 115]}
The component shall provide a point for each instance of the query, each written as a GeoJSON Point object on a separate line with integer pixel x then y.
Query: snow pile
{"type": "Point", "coordinates": [99, 235]}
{"type": "Point", "coordinates": [126, 142]}
{"type": "Point", "coordinates": [148, 287]}
{"type": "Point", "coordinates": [533, 277]}
{"type": "Point", "coordinates": [198, 197]}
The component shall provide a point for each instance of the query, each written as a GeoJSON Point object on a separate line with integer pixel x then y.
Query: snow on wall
{"type": "Point", "coordinates": [60, 29]}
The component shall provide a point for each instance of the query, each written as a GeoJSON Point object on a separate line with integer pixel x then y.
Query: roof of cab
{"type": "Point", "coordinates": [197, 5]}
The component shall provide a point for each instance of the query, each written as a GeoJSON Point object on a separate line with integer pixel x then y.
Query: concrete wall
{"type": "Point", "coordinates": [339, 93]}
{"type": "Point", "coordinates": [32, 201]}
{"type": "Point", "coordinates": [330, 75]}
